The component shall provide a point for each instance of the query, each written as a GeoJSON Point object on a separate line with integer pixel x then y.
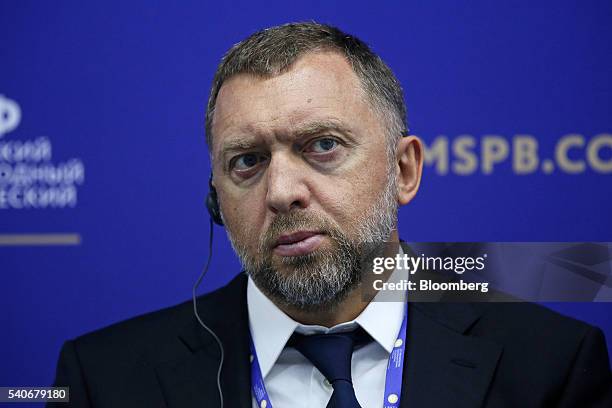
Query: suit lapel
{"type": "Point", "coordinates": [190, 381]}
{"type": "Point", "coordinates": [442, 366]}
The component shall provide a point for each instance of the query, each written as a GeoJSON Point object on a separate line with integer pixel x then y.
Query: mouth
{"type": "Point", "coordinates": [298, 243]}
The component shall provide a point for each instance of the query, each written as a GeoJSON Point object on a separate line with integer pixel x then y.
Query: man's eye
{"type": "Point", "coordinates": [322, 145]}
{"type": "Point", "coordinates": [246, 161]}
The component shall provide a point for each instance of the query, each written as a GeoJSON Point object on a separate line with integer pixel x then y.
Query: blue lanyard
{"type": "Point", "coordinates": [393, 379]}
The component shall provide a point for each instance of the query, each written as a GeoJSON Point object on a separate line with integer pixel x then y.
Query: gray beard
{"type": "Point", "coordinates": [322, 279]}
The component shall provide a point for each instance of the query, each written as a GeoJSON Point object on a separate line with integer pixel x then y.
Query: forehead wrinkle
{"type": "Point", "coordinates": [242, 137]}
{"type": "Point", "coordinates": [306, 128]}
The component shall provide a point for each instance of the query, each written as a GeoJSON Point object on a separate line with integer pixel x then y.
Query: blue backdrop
{"type": "Point", "coordinates": [102, 141]}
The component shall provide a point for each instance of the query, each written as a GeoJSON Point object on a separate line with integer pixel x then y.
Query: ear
{"type": "Point", "coordinates": [211, 181]}
{"type": "Point", "coordinates": [409, 168]}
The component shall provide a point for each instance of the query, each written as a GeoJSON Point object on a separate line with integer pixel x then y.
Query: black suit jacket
{"type": "Point", "coordinates": [464, 355]}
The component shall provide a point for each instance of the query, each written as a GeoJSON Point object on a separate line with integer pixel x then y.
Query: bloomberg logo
{"type": "Point", "coordinates": [467, 155]}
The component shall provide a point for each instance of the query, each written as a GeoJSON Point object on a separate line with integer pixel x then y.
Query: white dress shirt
{"type": "Point", "coordinates": [292, 381]}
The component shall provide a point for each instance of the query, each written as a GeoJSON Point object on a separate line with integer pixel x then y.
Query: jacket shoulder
{"type": "Point", "coordinates": [153, 335]}
{"type": "Point", "coordinates": [529, 321]}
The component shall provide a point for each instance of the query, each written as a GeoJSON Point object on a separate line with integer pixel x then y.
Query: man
{"type": "Point", "coordinates": [311, 159]}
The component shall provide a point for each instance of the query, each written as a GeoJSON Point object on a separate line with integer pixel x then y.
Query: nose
{"type": "Point", "coordinates": [286, 187]}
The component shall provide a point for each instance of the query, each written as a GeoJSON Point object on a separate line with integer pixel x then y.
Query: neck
{"type": "Point", "coordinates": [345, 311]}
{"type": "Point", "coordinates": [351, 306]}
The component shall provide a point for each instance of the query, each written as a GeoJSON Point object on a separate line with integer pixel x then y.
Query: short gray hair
{"type": "Point", "coordinates": [272, 51]}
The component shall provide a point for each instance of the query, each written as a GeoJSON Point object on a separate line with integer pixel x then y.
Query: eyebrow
{"type": "Point", "coordinates": [320, 126]}
{"type": "Point", "coordinates": [309, 128]}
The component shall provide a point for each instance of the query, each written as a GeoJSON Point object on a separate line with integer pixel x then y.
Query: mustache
{"type": "Point", "coordinates": [292, 222]}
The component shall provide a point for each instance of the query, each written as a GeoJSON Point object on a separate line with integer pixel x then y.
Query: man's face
{"type": "Point", "coordinates": [303, 178]}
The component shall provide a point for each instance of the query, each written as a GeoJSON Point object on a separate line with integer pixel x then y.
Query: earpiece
{"type": "Point", "coordinates": [212, 203]}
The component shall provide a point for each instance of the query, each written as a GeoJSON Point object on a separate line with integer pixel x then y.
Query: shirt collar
{"type": "Point", "coordinates": [271, 328]}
